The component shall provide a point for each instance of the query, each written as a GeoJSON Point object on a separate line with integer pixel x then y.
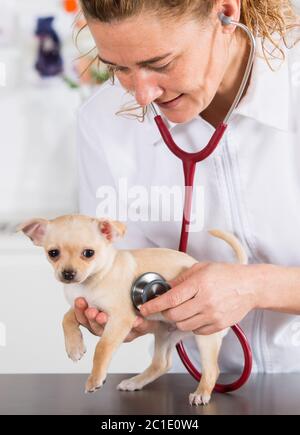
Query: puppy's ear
{"type": "Point", "coordinates": [112, 230]}
{"type": "Point", "coordinates": [35, 229]}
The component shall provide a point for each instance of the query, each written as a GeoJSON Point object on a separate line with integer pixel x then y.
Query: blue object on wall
{"type": "Point", "coordinates": [49, 62]}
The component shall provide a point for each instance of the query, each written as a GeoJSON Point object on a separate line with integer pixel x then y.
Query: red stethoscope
{"type": "Point", "coordinates": [190, 161]}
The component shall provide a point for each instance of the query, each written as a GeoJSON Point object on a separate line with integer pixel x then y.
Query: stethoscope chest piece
{"type": "Point", "coordinates": [147, 287]}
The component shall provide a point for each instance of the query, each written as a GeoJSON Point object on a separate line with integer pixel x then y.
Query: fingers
{"type": "Point", "coordinates": [181, 278]}
{"type": "Point", "coordinates": [131, 337]}
{"type": "Point", "coordinates": [143, 327]}
{"type": "Point", "coordinates": [182, 312]}
{"type": "Point", "coordinates": [186, 274]}
{"type": "Point", "coordinates": [184, 287]}
{"type": "Point", "coordinates": [101, 318]}
{"type": "Point", "coordinates": [96, 321]}
{"type": "Point", "coordinates": [174, 297]}
{"type": "Point", "coordinates": [79, 308]}
{"type": "Point", "coordinates": [138, 321]}
{"type": "Point", "coordinates": [207, 330]}
{"type": "Point", "coordinates": [197, 323]}
{"type": "Point", "coordinates": [90, 318]}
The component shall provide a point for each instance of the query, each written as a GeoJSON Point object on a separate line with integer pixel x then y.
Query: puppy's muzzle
{"type": "Point", "coordinates": [68, 275]}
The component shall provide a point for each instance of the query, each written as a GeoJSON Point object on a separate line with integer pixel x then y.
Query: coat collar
{"type": "Point", "coordinates": [267, 97]}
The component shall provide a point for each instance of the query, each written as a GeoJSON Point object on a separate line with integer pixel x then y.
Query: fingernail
{"type": "Point", "coordinates": [80, 304]}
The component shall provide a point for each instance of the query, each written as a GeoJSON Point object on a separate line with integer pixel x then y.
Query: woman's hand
{"type": "Point", "coordinates": [95, 321]}
{"type": "Point", "coordinates": [209, 297]}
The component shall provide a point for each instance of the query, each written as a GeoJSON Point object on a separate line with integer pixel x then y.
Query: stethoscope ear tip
{"type": "Point", "coordinates": [225, 20]}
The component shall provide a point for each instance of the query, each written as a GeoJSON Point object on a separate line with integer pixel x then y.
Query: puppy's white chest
{"type": "Point", "coordinates": [74, 291]}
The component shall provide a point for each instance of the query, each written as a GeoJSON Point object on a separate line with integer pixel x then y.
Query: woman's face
{"type": "Point", "coordinates": [177, 64]}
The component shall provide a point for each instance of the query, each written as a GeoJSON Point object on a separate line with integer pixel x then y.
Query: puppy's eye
{"type": "Point", "coordinates": [54, 253]}
{"type": "Point", "coordinates": [88, 253]}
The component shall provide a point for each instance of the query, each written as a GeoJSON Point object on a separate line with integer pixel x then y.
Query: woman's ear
{"type": "Point", "coordinates": [35, 229]}
{"type": "Point", "coordinates": [112, 230]}
{"type": "Point", "coordinates": [232, 10]}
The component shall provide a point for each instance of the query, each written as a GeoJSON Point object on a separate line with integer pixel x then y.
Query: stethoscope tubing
{"type": "Point", "coordinates": [223, 388]}
{"type": "Point", "coordinates": [190, 161]}
{"type": "Point", "coordinates": [189, 167]}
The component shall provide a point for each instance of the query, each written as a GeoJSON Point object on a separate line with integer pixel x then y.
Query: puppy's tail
{"type": "Point", "coordinates": [236, 245]}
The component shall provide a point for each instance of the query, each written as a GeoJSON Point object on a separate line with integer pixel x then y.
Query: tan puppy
{"type": "Point", "coordinates": [81, 250]}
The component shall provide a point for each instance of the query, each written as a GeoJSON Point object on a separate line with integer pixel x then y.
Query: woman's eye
{"type": "Point", "coordinates": [117, 69]}
{"type": "Point", "coordinates": [54, 253]}
{"type": "Point", "coordinates": [161, 68]}
{"type": "Point", "coordinates": [88, 253]}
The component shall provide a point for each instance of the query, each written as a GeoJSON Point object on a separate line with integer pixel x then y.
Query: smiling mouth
{"type": "Point", "coordinates": [170, 101]}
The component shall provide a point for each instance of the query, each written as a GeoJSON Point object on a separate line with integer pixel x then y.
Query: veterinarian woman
{"type": "Point", "coordinates": [178, 55]}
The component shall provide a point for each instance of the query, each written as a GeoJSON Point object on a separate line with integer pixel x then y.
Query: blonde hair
{"type": "Point", "coordinates": [271, 20]}
{"type": "Point", "coordinates": [262, 17]}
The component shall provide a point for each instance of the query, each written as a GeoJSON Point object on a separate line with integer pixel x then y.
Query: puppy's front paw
{"type": "Point", "coordinates": [130, 385]}
{"type": "Point", "coordinates": [198, 399]}
{"type": "Point", "coordinates": [94, 383]}
{"type": "Point", "coordinates": [75, 348]}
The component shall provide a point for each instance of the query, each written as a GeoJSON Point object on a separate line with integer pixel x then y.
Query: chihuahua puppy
{"type": "Point", "coordinates": [82, 253]}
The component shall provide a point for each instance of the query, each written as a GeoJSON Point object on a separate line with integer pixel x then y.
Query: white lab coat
{"type": "Point", "coordinates": [251, 187]}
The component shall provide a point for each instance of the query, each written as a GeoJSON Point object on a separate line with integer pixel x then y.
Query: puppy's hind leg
{"type": "Point", "coordinates": [74, 344]}
{"type": "Point", "coordinates": [209, 348]}
{"type": "Point", "coordinates": [161, 363]}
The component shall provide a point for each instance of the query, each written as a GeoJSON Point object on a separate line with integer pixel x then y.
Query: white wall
{"type": "Point", "coordinates": [38, 178]}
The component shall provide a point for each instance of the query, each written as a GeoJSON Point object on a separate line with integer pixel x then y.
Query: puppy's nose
{"type": "Point", "coordinates": [68, 275]}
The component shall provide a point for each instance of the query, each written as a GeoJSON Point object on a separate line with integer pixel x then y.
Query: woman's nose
{"type": "Point", "coordinates": [146, 89]}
